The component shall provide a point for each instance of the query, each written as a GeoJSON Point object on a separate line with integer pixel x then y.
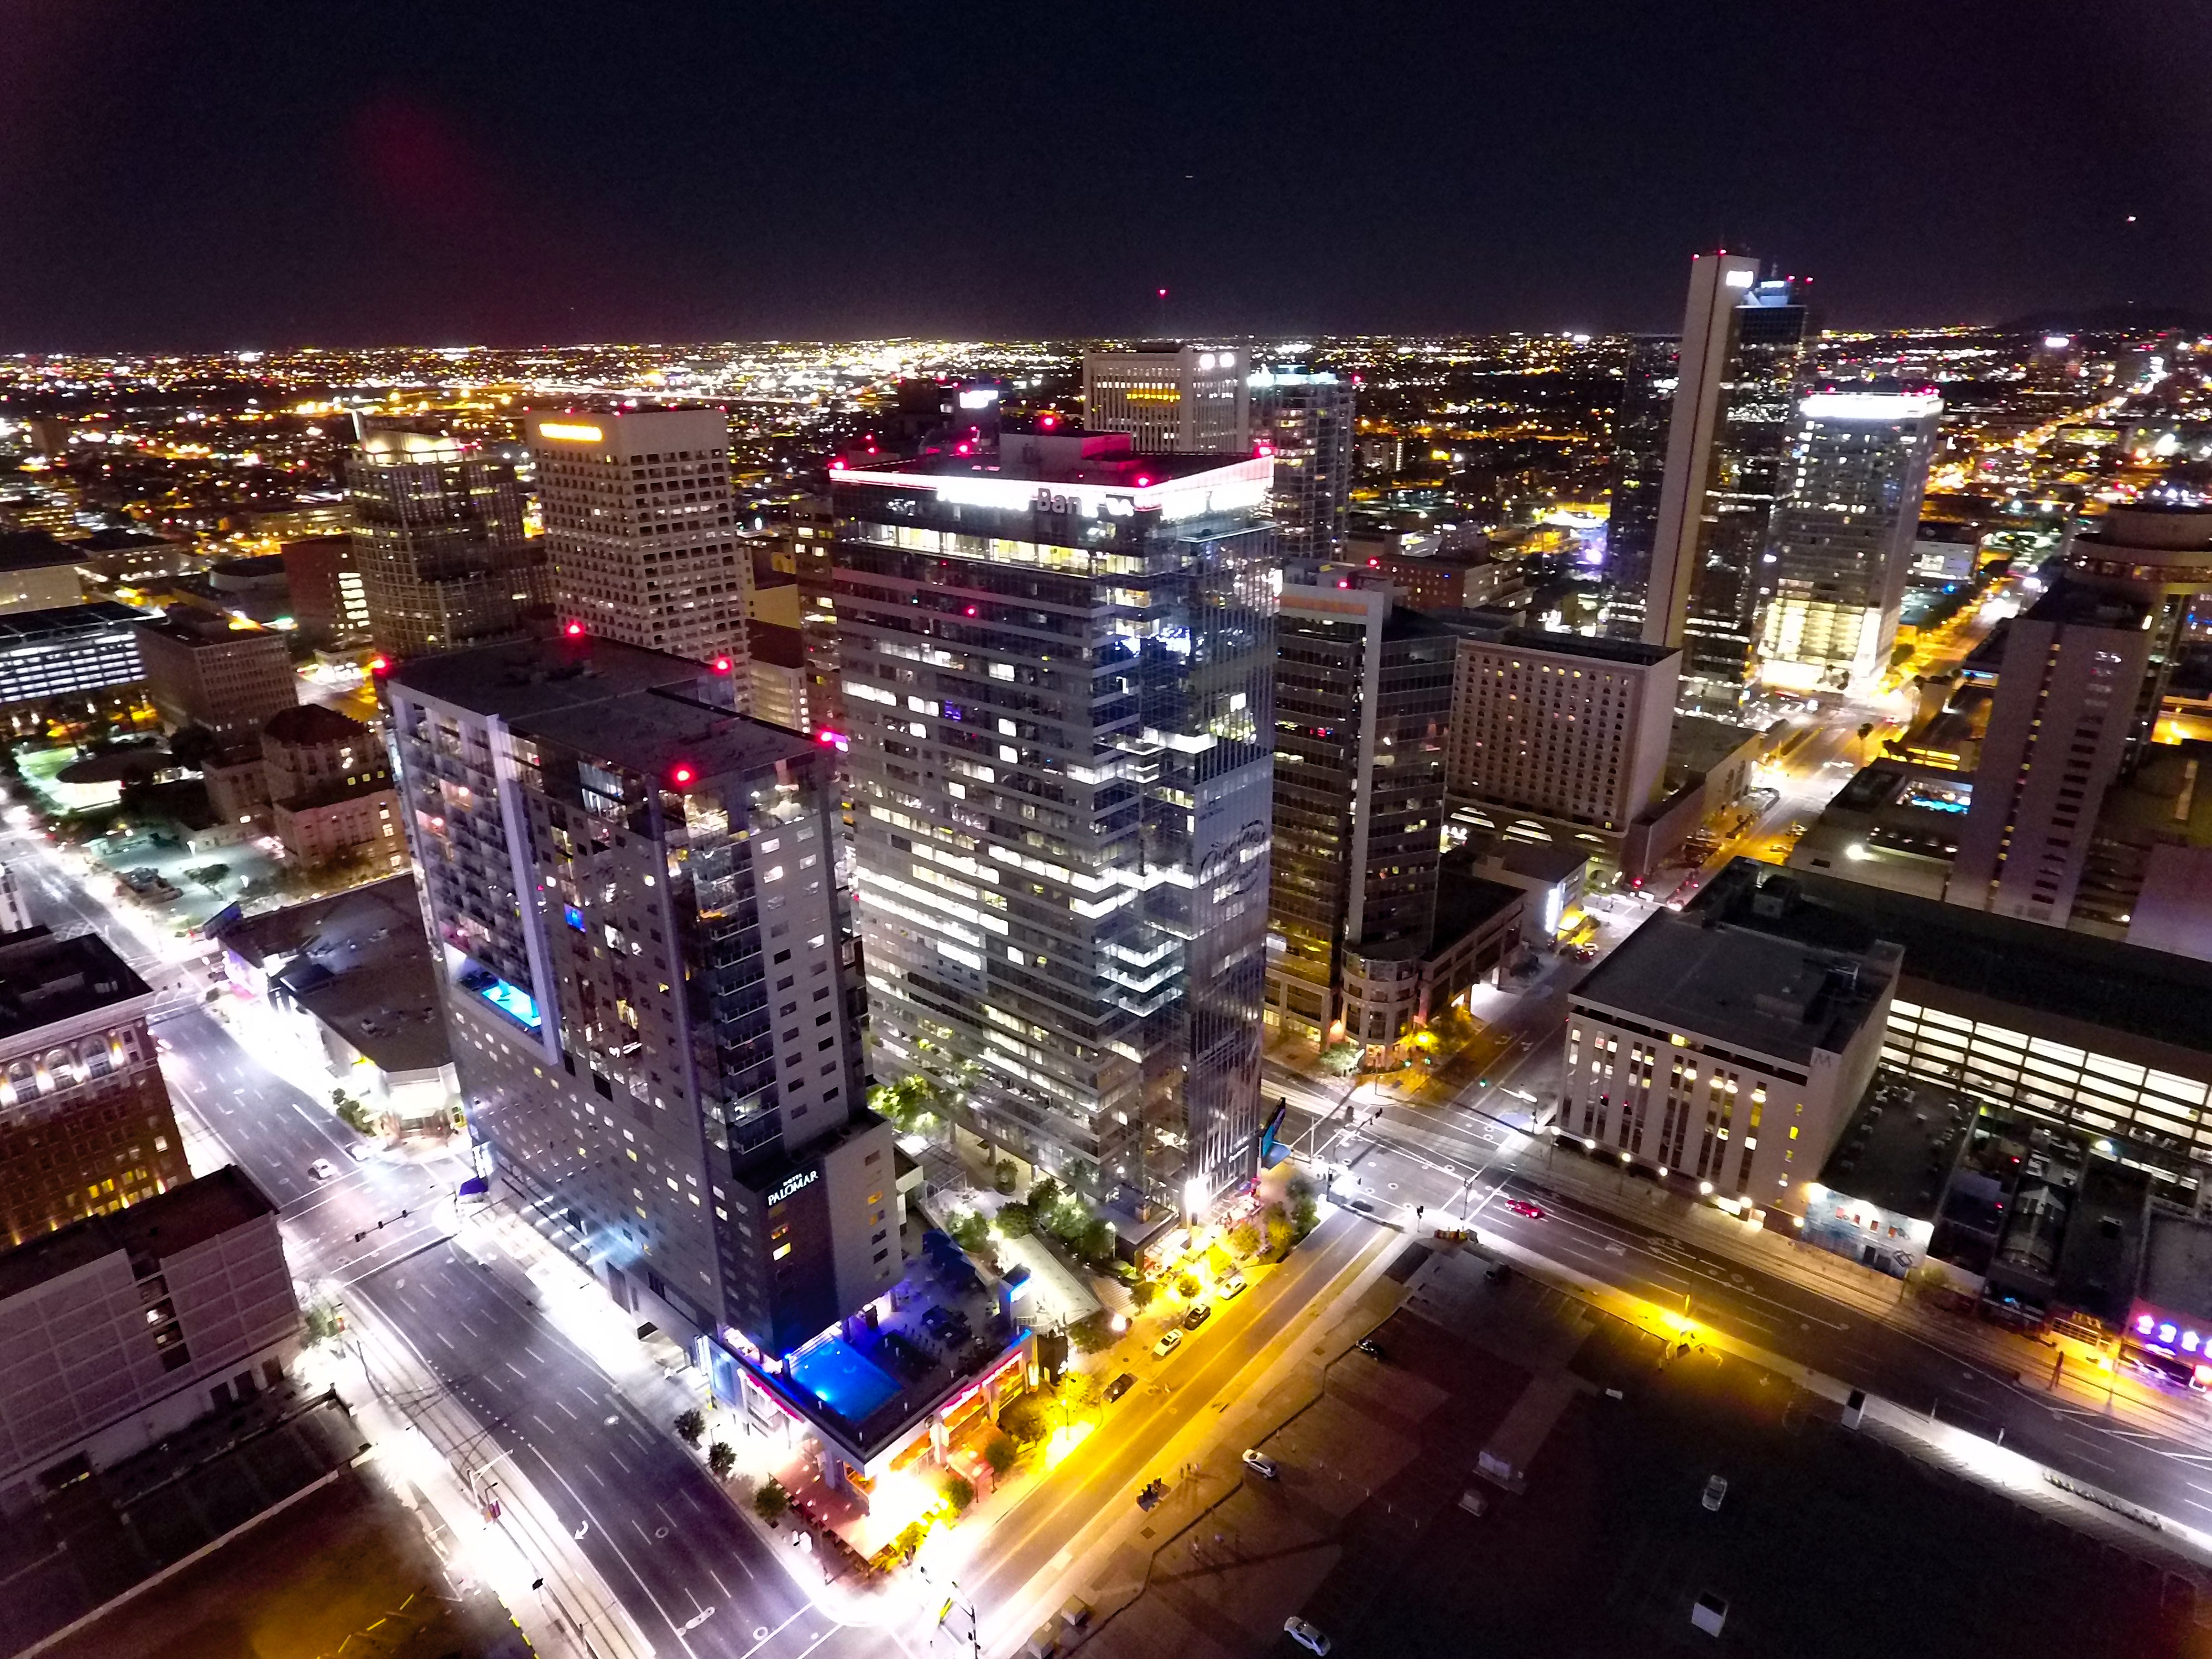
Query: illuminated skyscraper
{"type": "Point", "coordinates": [643, 529]}
{"type": "Point", "coordinates": [1170, 398]}
{"type": "Point", "coordinates": [1734, 410]}
{"type": "Point", "coordinates": [1639, 467]}
{"type": "Point", "coordinates": [1307, 420]}
{"type": "Point", "coordinates": [1842, 543]}
{"type": "Point", "coordinates": [1058, 661]}
{"type": "Point", "coordinates": [438, 541]}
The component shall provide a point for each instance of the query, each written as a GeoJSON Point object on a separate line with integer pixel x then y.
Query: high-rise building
{"type": "Point", "coordinates": [1170, 398]}
{"type": "Point", "coordinates": [643, 528]}
{"type": "Point", "coordinates": [1842, 541]}
{"type": "Point", "coordinates": [1363, 693]}
{"type": "Point", "coordinates": [1734, 410]}
{"type": "Point", "coordinates": [2080, 684]}
{"type": "Point", "coordinates": [208, 670]}
{"type": "Point", "coordinates": [1057, 669]}
{"type": "Point", "coordinates": [85, 1122]}
{"type": "Point", "coordinates": [1639, 471]}
{"type": "Point", "coordinates": [649, 976]}
{"type": "Point", "coordinates": [328, 600]}
{"type": "Point", "coordinates": [1564, 726]}
{"type": "Point", "coordinates": [1308, 419]}
{"type": "Point", "coordinates": [439, 541]}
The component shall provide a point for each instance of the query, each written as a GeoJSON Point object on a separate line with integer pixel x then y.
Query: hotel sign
{"type": "Point", "coordinates": [792, 1184]}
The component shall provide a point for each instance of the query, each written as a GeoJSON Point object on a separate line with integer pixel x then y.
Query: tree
{"type": "Point", "coordinates": [209, 876]}
{"type": "Point", "coordinates": [323, 1322]}
{"type": "Point", "coordinates": [971, 1232]}
{"type": "Point", "coordinates": [1304, 1218]}
{"type": "Point", "coordinates": [1016, 1221]}
{"type": "Point", "coordinates": [1078, 1388]}
{"type": "Point", "coordinates": [1341, 1058]}
{"type": "Point", "coordinates": [1279, 1238]}
{"type": "Point", "coordinates": [1001, 1454]}
{"type": "Point", "coordinates": [721, 1458]}
{"type": "Point", "coordinates": [1095, 1246]}
{"type": "Point", "coordinates": [1243, 1238]}
{"type": "Point", "coordinates": [691, 1426]}
{"type": "Point", "coordinates": [193, 747]}
{"type": "Point", "coordinates": [1092, 1334]}
{"type": "Point", "coordinates": [1044, 1192]}
{"type": "Point", "coordinates": [1142, 1293]}
{"type": "Point", "coordinates": [1006, 1176]}
{"type": "Point", "coordinates": [1218, 1262]}
{"type": "Point", "coordinates": [771, 1500]}
{"type": "Point", "coordinates": [1027, 1419]}
{"type": "Point", "coordinates": [913, 1102]}
{"type": "Point", "coordinates": [958, 1493]}
{"type": "Point", "coordinates": [1187, 1286]}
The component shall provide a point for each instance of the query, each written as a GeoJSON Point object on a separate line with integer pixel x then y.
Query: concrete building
{"type": "Point", "coordinates": [781, 684]}
{"type": "Point", "coordinates": [1733, 409]}
{"type": "Point", "coordinates": [1058, 667]}
{"type": "Point", "coordinates": [329, 595]}
{"type": "Point", "coordinates": [1559, 724]}
{"type": "Point", "coordinates": [76, 664]}
{"type": "Point", "coordinates": [1719, 1054]}
{"type": "Point", "coordinates": [1307, 419]}
{"type": "Point", "coordinates": [1363, 693]}
{"type": "Point", "coordinates": [439, 541]}
{"type": "Point", "coordinates": [118, 1330]}
{"type": "Point", "coordinates": [85, 1122]}
{"type": "Point", "coordinates": [37, 572]}
{"type": "Point", "coordinates": [1429, 578]}
{"type": "Point", "coordinates": [1895, 824]}
{"type": "Point", "coordinates": [210, 671]}
{"type": "Point", "coordinates": [643, 529]}
{"type": "Point", "coordinates": [649, 979]}
{"type": "Point", "coordinates": [1171, 397]}
{"type": "Point", "coordinates": [1639, 469]}
{"type": "Point", "coordinates": [1842, 537]}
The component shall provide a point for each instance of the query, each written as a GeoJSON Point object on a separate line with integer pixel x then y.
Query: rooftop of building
{"type": "Point", "coordinates": [1550, 862]}
{"type": "Point", "coordinates": [519, 679]}
{"type": "Point", "coordinates": [360, 963]}
{"type": "Point", "coordinates": [23, 627]}
{"type": "Point", "coordinates": [311, 723]}
{"type": "Point", "coordinates": [2074, 603]}
{"type": "Point", "coordinates": [1696, 744]}
{"type": "Point", "coordinates": [36, 549]}
{"type": "Point", "coordinates": [1466, 901]}
{"type": "Point", "coordinates": [660, 735]}
{"type": "Point", "coordinates": [1484, 625]}
{"type": "Point", "coordinates": [2177, 1270]}
{"type": "Point", "coordinates": [1897, 1150]}
{"type": "Point", "coordinates": [776, 645]}
{"type": "Point", "coordinates": [1740, 987]}
{"type": "Point", "coordinates": [45, 980]}
{"type": "Point", "coordinates": [2168, 797]}
{"type": "Point", "coordinates": [1062, 456]}
{"type": "Point", "coordinates": [2025, 965]}
{"type": "Point", "coordinates": [203, 628]}
{"type": "Point", "coordinates": [161, 1226]}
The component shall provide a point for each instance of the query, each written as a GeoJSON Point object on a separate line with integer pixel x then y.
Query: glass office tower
{"type": "Point", "coordinates": [1056, 661]}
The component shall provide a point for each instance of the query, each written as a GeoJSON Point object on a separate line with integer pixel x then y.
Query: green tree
{"type": "Point", "coordinates": [1218, 1261]}
{"type": "Point", "coordinates": [914, 1104]}
{"type": "Point", "coordinates": [1305, 1216]}
{"type": "Point", "coordinates": [1044, 1193]}
{"type": "Point", "coordinates": [971, 1232]}
{"type": "Point", "coordinates": [1143, 1292]}
{"type": "Point", "coordinates": [1097, 1244]}
{"type": "Point", "coordinates": [1243, 1238]}
{"type": "Point", "coordinates": [322, 1321]}
{"type": "Point", "coordinates": [1027, 1419]}
{"type": "Point", "coordinates": [958, 1493]}
{"type": "Point", "coordinates": [1016, 1221]}
{"type": "Point", "coordinates": [690, 1426]}
{"type": "Point", "coordinates": [1341, 1058]}
{"type": "Point", "coordinates": [1001, 1454]}
{"type": "Point", "coordinates": [1279, 1238]}
{"type": "Point", "coordinates": [1005, 1175]}
{"type": "Point", "coordinates": [771, 1501]}
{"type": "Point", "coordinates": [1187, 1286]}
{"type": "Point", "coordinates": [721, 1458]}
{"type": "Point", "coordinates": [1094, 1333]}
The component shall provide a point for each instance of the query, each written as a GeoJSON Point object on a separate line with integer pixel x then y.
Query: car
{"type": "Point", "coordinates": [1200, 1313]}
{"type": "Point", "coordinates": [1307, 1634]}
{"type": "Point", "coordinates": [1261, 1464]}
{"type": "Point", "coordinates": [322, 1169]}
{"type": "Point", "coordinates": [1716, 1490]}
{"type": "Point", "coordinates": [1167, 1345]}
{"type": "Point", "coordinates": [1370, 1347]}
{"type": "Point", "coordinates": [1119, 1386]}
{"type": "Point", "coordinates": [361, 1152]}
{"type": "Point", "coordinates": [162, 1045]}
{"type": "Point", "coordinates": [1230, 1287]}
{"type": "Point", "coordinates": [1524, 1206]}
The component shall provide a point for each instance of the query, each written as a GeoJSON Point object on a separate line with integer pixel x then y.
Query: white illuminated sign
{"type": "Point", "coordinates": [566, 431]}
{"type": "Point", "coordinates": [1220, 490]}
{"type": "Point", "coordinates": [978, 399]}
{"type": "Point", "coordinates": [792, 1184]}
{"type": "Point", "coordinates": [1870, 406]}
{"type": "Point", "coordinates": [1739, 278]}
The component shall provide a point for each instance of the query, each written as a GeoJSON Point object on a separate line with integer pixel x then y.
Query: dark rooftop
{"type": "Point", "coordinates": [652, 733]}
{"type": "Point", "coordinates": [197, 626]}
{"type": "Point", "coordinates": [1484, 625]}
{"type": "Point", "coordinates": [1465, 901]}
{"type": "Point", "coordinates": [313, 723]}
{"type": "Point", "coordinates": [775, 645]}
{"type": "Point", "coordinates": [161, 1226]}
{"type": "Point", "coordinates": [44, 979]}
{"type": "Point", "coordinates": [520, 678]}
{"type": "Point", "coordinates": [2051, 973]}
{"type": "Point", "coordinates": [1899, 1147]}
{"type": "Point", "coordinates": [23, 627]}
{"type": "Point", "coordinates": [35, 549]}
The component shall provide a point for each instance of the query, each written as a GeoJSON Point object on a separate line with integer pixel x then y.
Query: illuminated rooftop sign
{"type": "Point", "coordinates": [1870, 405]}
{"type": "Point", "coordinates": [568, 432]}
{"type": "Point", "coordinates": [791, 1184]}
{"type": "Point", "coordinates": [1241, 484]}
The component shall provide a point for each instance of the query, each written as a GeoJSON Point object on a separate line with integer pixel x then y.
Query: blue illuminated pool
{"type": "Point", "coordinates": [841, 1380]}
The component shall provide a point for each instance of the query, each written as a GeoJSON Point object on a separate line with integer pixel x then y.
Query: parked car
{"type": "Point", "coordinates": [1307, 1635]}
{"type": "Point", "coordinates": [1261, 1464]}
{"type": "Point", "coordinates": [1230, 1287]}
{"type": "Point", "coordinates": [1119, 1386]}
{"type": "Point", "coordinates": [322, 1169]}
{"type": "Point", "coordinates": [1200, 1313]}
{"type": "Point", "coordinates": [1167, 1345]}
{"type": "Point", "coordinates": [1716, 1490]}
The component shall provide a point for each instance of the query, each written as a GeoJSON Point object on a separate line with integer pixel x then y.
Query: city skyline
{"type": "Point", "coordinates": [469, 205]}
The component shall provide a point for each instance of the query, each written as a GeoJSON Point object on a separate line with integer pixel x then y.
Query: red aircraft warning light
{"type": "Point", "coordinates": [574, 629]}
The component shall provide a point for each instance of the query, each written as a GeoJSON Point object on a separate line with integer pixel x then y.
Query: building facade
{"type": "Point", "coordinates": [1734, 410]}
{"type": "Point", "coordinates": [649, 975]}
{"type": "Point", "coordinates": [76, 664]}
{"type": "Point", "coordinates": [1561, 726]}
{"type": "Point", "coordinates": [37, 572]}
{"type": "Point", "coordinates": [209, 670]}
{"type": "Point", "coordinates": [85, 1122]}
{"type": "Point", "coordinates": [1842, 537]}
{"type": "Point", "coordinates": [1171, 397]}
{"type": "Point", "coordinates": [1640, 469]}
{"type": "Point", "coordinates": [329, 598]}
{"type": "Point", "coordinates": [1307, 419]}
{"type": "Point", "coordinates": [1057, 673]}
{"type": "Point", "coordinates": [118, 1330]}
{"type": "Point", "coordinates": [440, 542]}
{"type": "Point", "coordinates": [1362, 693]}
{"type": "Point", "coordinates": [643, 529]}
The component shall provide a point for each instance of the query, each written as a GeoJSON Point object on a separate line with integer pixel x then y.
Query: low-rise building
{"type": "Point", "coordinates": [118, 1330]}
{"type": "Point", "coordinates": [37, 571]}
{"type": "Point", "coordinates": [85, 1121]}
{"type": "Point", "coordinates": [76, 664]}
{"type": "Point", "coordinates": [330, 791]}
{"type": "Point", "coordinates": [1895, 824]}
{"type": "Point", "coordinates": [216, 671]}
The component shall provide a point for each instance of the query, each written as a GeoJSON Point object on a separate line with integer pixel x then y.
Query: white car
{"type": "Point", "coordinates": [1716, 1490]}
{"type": "Point", "coordinates": [1230, 1287]}
{"type": "Point", "coordinates": [322, 1169]}
{"type": "Point", "coordinates": [1261, 1464]}
{"type": "Point", "coordinates": [1306, 1634]}
{"type": "Point", "coordinates": [1167, 1345]}
{"type": "Point", "coordinates": [361, 1152]}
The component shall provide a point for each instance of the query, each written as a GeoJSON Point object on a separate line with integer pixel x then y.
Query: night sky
{"type": "Point", "coordinates": [241, 174]}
